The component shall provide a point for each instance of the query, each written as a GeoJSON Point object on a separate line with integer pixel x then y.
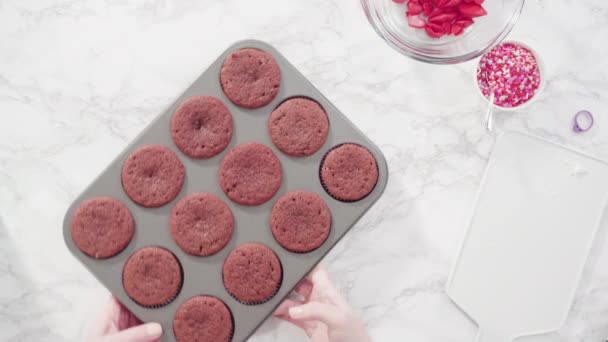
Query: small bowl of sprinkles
{"type": "Point", "coordinates": [514, 72]}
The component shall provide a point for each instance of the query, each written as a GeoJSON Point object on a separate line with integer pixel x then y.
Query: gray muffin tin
{"type": "Point", "coordinates": [203, 275]}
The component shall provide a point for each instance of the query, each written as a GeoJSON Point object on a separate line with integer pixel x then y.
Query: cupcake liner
{"type": "Point", "coordinates": [229, 339]}
{"type": "Point", "coordinates": [299, 97]}
{"type": "Point", "coordinates": [233, 325]}
{"type": "Point", "coordinates": [325, 186]}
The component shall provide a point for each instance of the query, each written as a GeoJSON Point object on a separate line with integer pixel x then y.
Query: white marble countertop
{"type": "Point", "coordinates": [80, 79]}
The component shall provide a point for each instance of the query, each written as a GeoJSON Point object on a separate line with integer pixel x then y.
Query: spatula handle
{"type": "Point", "coordinates": [487, 335]}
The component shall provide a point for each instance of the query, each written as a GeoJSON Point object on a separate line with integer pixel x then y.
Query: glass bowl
{"type": "Point", "coordinates": [390, 22]}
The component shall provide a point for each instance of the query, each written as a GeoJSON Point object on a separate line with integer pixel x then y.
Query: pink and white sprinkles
{"type": "Point", "coordinates": [512, 72]}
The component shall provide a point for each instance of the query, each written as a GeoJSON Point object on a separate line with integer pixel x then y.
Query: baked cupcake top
{"type": "Point", "coordinates": [152, 175]}
{"type": "Point", "coordinates": [152, 276]}
{"type": "Point", "coordinates": [102, 227]}
{"type": "Point", "coordinates": [201, 126]}
{"type": "Point", "coordinates": [252, 273]}
{"type": "Point", "coordinates": [203, 319]}
{"type": "Point", "coordinates": [201, 224]}
{"type": "Point", "coordinates": [349, 172]}
{"type": "Point", "coordinates": [298, 127]}
{"type": "Point", "coordinates": [300, 221]}
{"type": "Point", "coordinates": [250, 78]}
{"type": "Point", "coordinates": [250, 174]}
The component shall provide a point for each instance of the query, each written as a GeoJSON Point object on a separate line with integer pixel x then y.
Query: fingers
{"type": "Point", "coordinates": [148, 332]}
{"type": "Point", "coordinates": [123, 318]}
{"type": "Point", "coordinates": [324, 286]}
{"type": "Point", "coordinates": [284, 307]}
{"type": "Point", "coordinates": [309, 327]}
{"type": "Point", "coordinates": [328, 314]}
{"type": "Point", "coordinates": [126, 318]}
{"type": "Point", "coordinates": [114, 315]}
{"type": "Point", "coordinates": [133, 321]}
{"type": "Point", "coordinates": [320, 279]}
{"type": "Point", "coordinates": [107, 320]}
{"type": "Point", "coordinates": [300, 296]}
{"type": "Point", "coordinates": [304, 289]}
{"type": "Point", "coordinates": [318, 274]}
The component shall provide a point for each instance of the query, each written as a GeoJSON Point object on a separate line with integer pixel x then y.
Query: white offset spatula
{"type": "Point", "coordinates": [535, 220]}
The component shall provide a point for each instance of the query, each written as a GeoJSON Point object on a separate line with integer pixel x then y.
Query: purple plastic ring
{"type": "Point", "coordinates": [578, 125]}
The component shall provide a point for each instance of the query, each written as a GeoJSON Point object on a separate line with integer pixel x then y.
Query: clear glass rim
{"type": "Point", "coordinates": [422, 54]}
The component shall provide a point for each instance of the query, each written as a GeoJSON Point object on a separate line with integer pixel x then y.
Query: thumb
{"type": "Point", "coordinates": [328, 314]}
{"type": "Point", "coordinates": [142, 333]}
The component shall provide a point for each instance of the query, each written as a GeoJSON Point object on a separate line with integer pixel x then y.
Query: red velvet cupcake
{"type": "Point", "coordinates": [152, 277]}
{"type": "Point", "coordinates": [349, 172]}
{"type": "Point", "coordinates": [203, 319]}
{"type": "Point", "coordinates": [201, 224]}
{"type": "Point", "coordinates": [102, 227]}
{"type": "Point", "coordinates": [201, 126]}
{"type": "Point", "coordinates": [252, 273]}
{"type": "Point", "coordinates": [250, 174]}
{"type": "Point", "coordinates": [300, 221]}
{"type": "Point", "coordinates": [250, 78]}
{"type": "Point", "coordinates": [298, 127]}
{"type": "Point", "coordinates": [152, 175]}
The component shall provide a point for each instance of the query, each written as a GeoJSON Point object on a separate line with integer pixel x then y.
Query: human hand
{"type": "Point", "coordinates": [117, 324]}
{"type": "Point", "coordinates": [323, 313]}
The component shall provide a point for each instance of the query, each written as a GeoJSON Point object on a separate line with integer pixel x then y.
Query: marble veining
{"type": "Point", "coordinates": [80, 79]}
